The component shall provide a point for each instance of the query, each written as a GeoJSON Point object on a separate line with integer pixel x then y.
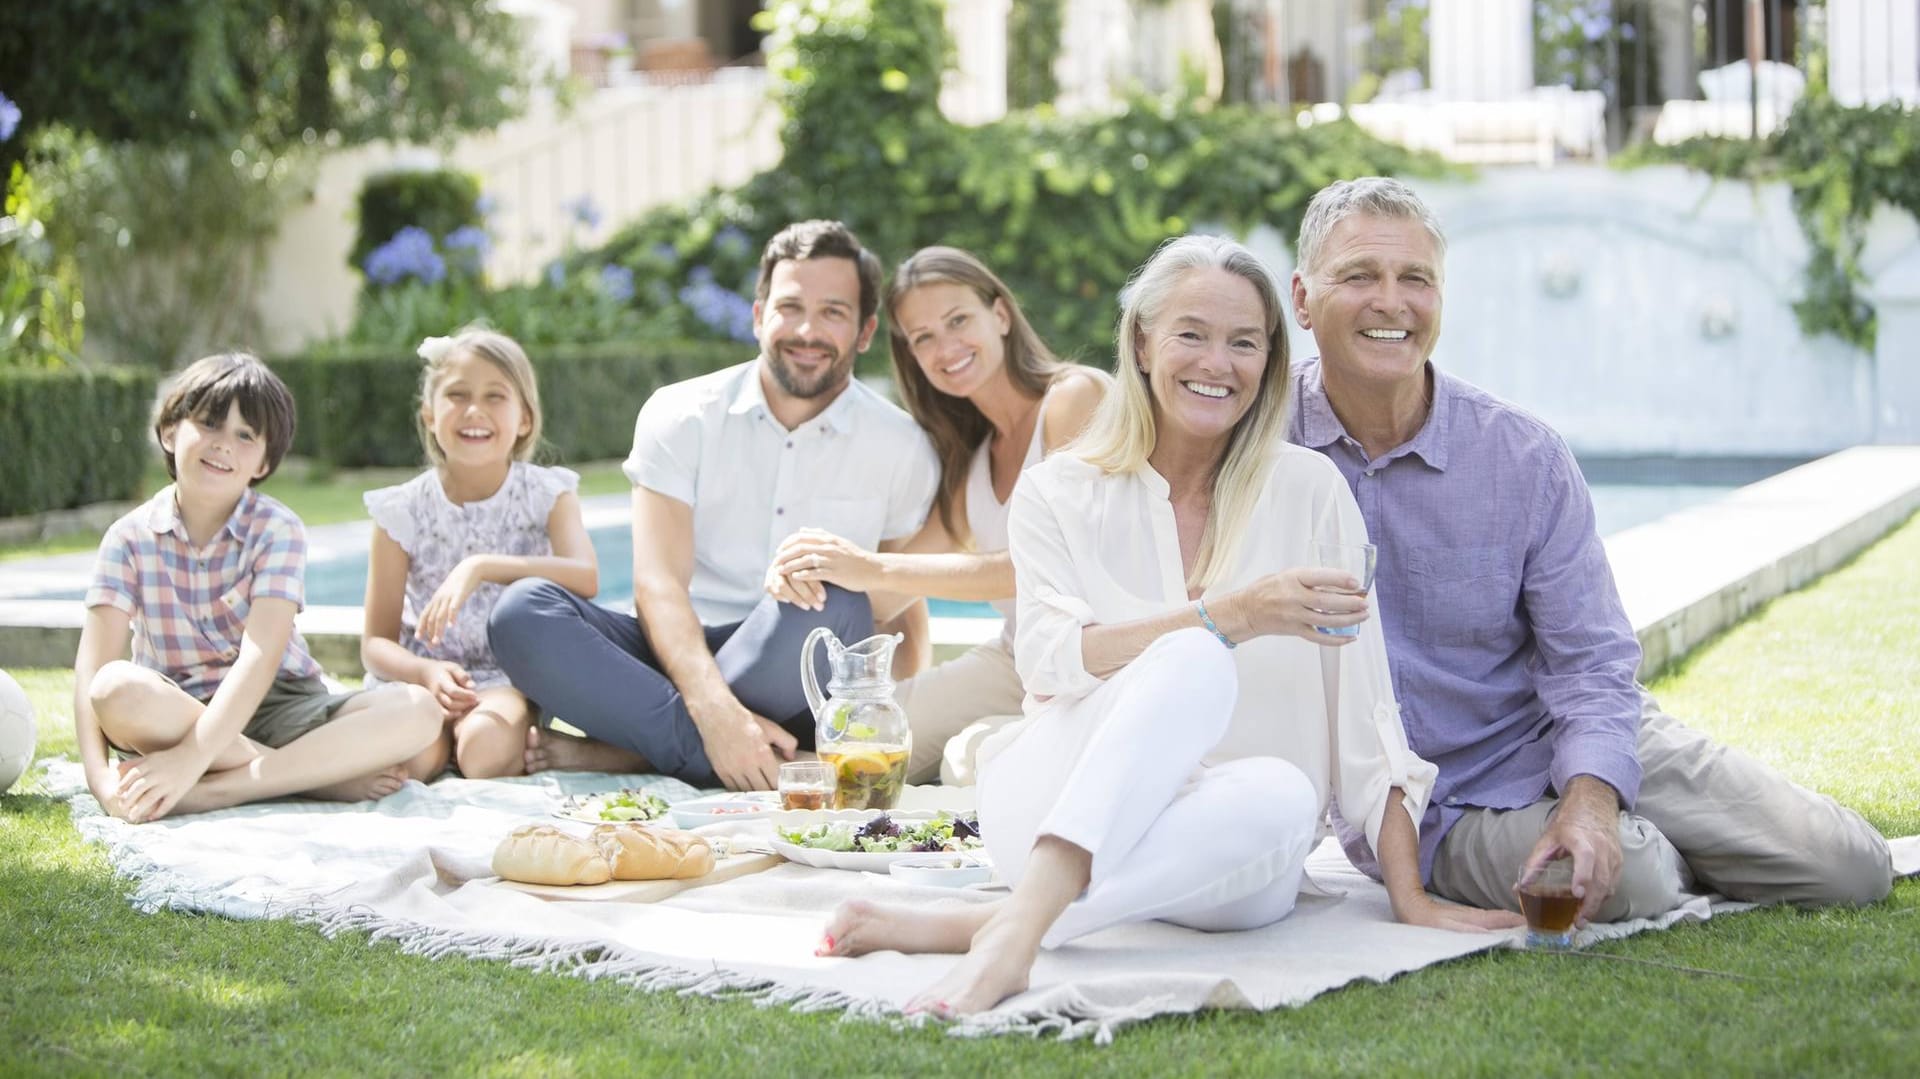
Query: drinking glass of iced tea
{"type": "Point", "coordinates": [805, 785]}
{"type": "Point", "coordinates": [1547, 900]}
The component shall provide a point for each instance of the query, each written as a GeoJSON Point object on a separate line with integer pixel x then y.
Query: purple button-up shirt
{"type": "Point", "coordinates": [1512, 657]}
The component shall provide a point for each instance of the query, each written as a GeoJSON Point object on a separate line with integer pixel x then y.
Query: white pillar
{"type": "Point", "coordinates": [975, 91]}
{"type": "Point", "coordinates": [1095, 47]}
{"type": "Point", "coordinates": [1482, 50]}
{"type": "Point", "coordinates": [1873, 51]}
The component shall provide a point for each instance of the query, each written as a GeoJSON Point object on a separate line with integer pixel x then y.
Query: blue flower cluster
{"type": "Point", "coordinates": [617, 282]}
{"type": "Point", "coordinates": [409, 254]}
{"type": "Point", "coordinates": [468, 245]}
{"type": "Point", "coordinates": [732, 243]}
{"type": "Point", "coordinates": [719, 307]}
{"type": "Point", "coordinates": [9, 117]}
{"type": "Point", "coordinates": [584, 211]}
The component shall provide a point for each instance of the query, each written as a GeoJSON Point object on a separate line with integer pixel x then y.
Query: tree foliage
{"type": "Point", "coordinates": [283, 72]}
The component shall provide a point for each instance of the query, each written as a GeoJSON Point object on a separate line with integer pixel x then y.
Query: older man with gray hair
{"type": "Point", "coordinates": [1512, 656]}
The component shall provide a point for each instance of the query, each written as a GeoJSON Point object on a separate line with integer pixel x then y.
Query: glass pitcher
{"type": "Point", "coordinates": [860, 731]}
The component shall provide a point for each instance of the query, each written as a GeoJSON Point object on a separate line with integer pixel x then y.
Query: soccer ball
{"type": "Point", "coordinates": [16, 731]}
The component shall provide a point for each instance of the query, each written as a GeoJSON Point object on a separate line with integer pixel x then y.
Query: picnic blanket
{"type": "Point", "coordinates": [414, 868]}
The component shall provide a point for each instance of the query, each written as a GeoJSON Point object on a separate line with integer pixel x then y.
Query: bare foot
{"type": "Point", "coordinates": [996, 967]}
{"type": "Point", "coordinates": [363, 788]}
{"type": "Point", "coordinates": [859, 926]}
{"type": "Point", "coordinates": [551, 751]}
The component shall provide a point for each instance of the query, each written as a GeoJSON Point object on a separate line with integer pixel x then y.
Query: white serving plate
{"type": "Point", "coordinates": [585, 808]}
{"type": "Point", "coordinates": [948, 870]}
{"type": "Point", "coordinates": [723, 808]}
{"type": "Point", "coordinates": [864, 861]}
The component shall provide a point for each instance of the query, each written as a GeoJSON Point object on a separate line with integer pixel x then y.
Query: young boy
{"type": "Point", "coordinates": [222, 703]}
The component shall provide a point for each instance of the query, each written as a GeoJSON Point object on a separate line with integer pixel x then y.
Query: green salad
{"type": "Point", "coordinates": [632, 805]}
{"type": "Point", "coordinates": [884, 835]}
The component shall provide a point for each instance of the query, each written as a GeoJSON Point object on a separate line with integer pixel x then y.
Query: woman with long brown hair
{"type": "Point", "coordinates": [994, 400]}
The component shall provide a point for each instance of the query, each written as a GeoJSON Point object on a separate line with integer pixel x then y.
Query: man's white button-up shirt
{"type": "Point", "coordinates": [862, 470]}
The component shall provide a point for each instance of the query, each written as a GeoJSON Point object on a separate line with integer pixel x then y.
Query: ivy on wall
{"type": "Point", "coordinates": [1839, 163]}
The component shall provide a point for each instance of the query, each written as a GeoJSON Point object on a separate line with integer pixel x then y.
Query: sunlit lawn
{"type": "Point", "coordinates": [1821, 683]}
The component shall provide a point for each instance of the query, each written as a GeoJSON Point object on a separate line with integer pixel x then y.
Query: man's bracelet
{"type": "Point", "coordinates": [1200, 607]}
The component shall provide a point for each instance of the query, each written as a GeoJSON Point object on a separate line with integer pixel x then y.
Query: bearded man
{"type": "Point", "coordinates": [701, 682]}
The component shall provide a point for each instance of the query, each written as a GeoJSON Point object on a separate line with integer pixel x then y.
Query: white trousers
{"type": "Point", "coordinates": [1119, 774]}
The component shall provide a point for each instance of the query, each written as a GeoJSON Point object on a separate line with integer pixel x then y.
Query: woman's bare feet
{"type": "Point", "coordinates": [996, 966]}
{"type": "Point", "coordinates": [551, 751]}
{"type": "Point", "coordinates": [859, 926]}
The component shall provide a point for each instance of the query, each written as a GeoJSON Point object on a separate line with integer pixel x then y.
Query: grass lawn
{"type": "Point", "coordinates": [318, 496]}
{"type": "Point", "coordinates": [1820, 683]}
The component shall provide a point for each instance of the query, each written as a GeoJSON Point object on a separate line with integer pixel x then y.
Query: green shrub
{"type": "Point", "coordinates": [71, 437]}
{"type": "Point", "coordinates": [356, 409]}
{"type": "Point", "coordinates": [1063, 208]}
{"type": "Point", "coordinates": [437, 200]}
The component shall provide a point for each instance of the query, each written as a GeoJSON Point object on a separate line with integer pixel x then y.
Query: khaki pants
{"type": "Point", "coordinates": [1707, 815]}
{"type": "Point", "coordinates": [953, 706]}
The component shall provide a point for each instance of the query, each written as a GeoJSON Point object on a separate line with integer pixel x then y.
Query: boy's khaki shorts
{"type": "Point", "coordinates": [293, 707]}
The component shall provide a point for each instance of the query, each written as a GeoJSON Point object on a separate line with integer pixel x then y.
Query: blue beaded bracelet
{"type": "Point", "coordinates": [1200, 605]}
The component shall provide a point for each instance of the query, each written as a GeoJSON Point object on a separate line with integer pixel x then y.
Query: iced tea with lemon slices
{"type": "Point", "coordinates": [866, 775]}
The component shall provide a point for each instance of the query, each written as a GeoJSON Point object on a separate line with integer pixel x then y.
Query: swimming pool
{"type": "Point", "coordinates": [342, 581]}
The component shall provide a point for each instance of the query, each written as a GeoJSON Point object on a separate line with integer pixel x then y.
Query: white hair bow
{"type": "Point", "coordinates": [434, 348]}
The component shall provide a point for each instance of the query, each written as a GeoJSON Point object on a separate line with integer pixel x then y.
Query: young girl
{"type": "Point", "coordinates": [994, 400]}
{"type": "Point", "coordinates": [446, 541]}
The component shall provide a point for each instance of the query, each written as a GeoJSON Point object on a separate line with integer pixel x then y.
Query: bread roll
{"type": "Point", "coordinates": [637, 853]}
{"type": "Point", "coordinates": [543, 854]}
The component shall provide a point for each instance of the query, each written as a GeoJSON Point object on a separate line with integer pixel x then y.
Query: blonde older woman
{"type": "Point", "coordinates": [1188, 724]}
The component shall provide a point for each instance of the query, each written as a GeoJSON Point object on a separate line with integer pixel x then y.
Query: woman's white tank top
{"type": "Point", "coordinates": [987, 515]}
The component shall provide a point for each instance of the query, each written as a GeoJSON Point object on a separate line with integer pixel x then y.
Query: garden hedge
{"type": "Point", "coordinates": [356, 408]}
{"type": "Point", "coordinates": [69, 437]}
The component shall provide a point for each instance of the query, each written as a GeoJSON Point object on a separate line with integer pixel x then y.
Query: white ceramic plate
{"type": "Point", "coordinates": [585, 808]}
{"type": "Point", "coordinates": [846, 859]}
{"type": "Point", "coordinates": [955, 870]}
{"type": "Point", "coordinates": [721, 808]}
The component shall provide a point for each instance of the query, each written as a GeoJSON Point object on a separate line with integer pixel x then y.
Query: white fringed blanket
{"type": "Point", "coordinates": [413, 868]}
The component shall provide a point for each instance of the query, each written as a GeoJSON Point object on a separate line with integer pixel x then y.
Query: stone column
{"type": "Point", "coordinates": [1481, 50]}
{"type": "Point", "coordinates": [975, 91]}
{"type": "Point", "coordinates": [1095, 44]}
{"type": "Point", "coordinates": [1873, 51]}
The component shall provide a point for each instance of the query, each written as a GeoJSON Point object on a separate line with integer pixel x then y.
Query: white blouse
{"type": "Point", "coordinates": [1092, 548]}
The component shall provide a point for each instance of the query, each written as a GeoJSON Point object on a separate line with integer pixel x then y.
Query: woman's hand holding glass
{"type": "Point", "coordinates": [813, 558]}
{"type": "Point", "coordinates": [1294, 603]}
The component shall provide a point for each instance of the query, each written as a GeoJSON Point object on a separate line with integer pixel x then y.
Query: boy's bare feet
{"type": "Point", "coordinates": [363, 788]}
{"type": "Point", "coordinates": [551, 751]}
{"type": "Point", "coordinates": [859, 926]}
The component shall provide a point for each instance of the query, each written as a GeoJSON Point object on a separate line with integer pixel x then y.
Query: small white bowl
{"type": "Point", "coordinates": [941, 870]}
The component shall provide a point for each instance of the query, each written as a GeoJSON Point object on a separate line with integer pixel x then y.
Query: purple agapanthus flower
{"type": "Point", "coordinates": [584, 211]}
{"type": "Point", "coordinates": [9, 117]}
{"type": "Point", "coordinates": [717, 307]}
{"type": "Point", "coordinates": [617, 281]}
{"type": "Point", "coordinates": [732, 242]}
{"type": "Point", "coordinates": [556, 274]}
{"type": "Point", "coordinates": [486, 204]}
{"type": "Point", "coordinates": [409, 254]}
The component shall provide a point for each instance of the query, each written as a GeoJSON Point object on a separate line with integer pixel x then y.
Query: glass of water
{"type": "Point", "coordinates": [1359, 561]}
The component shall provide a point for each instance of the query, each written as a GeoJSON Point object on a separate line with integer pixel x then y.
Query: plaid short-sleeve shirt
{"type": "Point", "coordinates": [189, 605]}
